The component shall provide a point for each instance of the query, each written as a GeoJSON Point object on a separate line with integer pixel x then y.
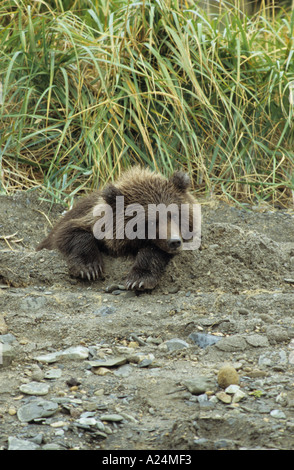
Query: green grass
{"type": "Point", "coordinates": [91, 87]}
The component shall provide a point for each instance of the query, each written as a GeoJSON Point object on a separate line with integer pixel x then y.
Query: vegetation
{"type": "Point", "coordinates": [87, 88]}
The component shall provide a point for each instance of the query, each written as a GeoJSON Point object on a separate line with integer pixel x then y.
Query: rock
{"type": "Point", "coordinates": [231, 389]}
{"type": "Point", "coordinates": [7, 354]}
{"type": "Point", "coordinates": [273, 358]}
{"type": "Point", "coordinates": [111, 417]}
{"type": "Point", "coordinates": [105, 310]}
{"type": "Point", "coordinates": [257, 341]}
{"type": "Point", "coordinates": [224, 397]}
{"type": "Point", "coordinates": [37, 373]}
{"type": "Point", "coordinates": [276, 334]}
{"type": "Point", "coordinates": [227, 375]}
{"type": "Point", "coordinates": [204, 339]}
{"type": "Point", "coordinates": [198, 385]}
{"type": "Point", "coordinates": [8, 338]}
{"type": "Point", "coordinates": [238, 396]}
{"type": "Point", "coordinates": [72, 353]}
{"type": "Point", "coordinates": [36, 409]}
{"type": "Point", "coordinates": [3, 326]}
{"type": "Point", "coordinates": [11, 411]}
{"type": "Point", "coordinates": [113, 361]}
{"type": "Point", "coordinates": [243, 311]}
{"type": "Point", "coordinates": [52, 374]}
{"type": "Point", "coordinates": [143, 360]}
{"type": "Point", "coordinates": [86, 421]}
{"type": "Point", "coordinates": [21, 444]}
{"type": "Point", "coordinates": [35, 388]}
{"type": "Point", "coordinates": [291, 357]}
{"type": "Point", "coordinates": [175, 344]}
{"type": "Point", "coordinates": [232, 344]}
{"type": "Point", "coordinates": [124, 371]}
{"type": "Point", "coordinates": [282, 399]}
{"type": "Point", "coordinates": [101, 371]}
{"type": "Point", "coordinates": [277, 414]}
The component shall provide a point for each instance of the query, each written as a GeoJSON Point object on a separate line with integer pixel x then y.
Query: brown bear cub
{"type": "Point", "coordinates": [105, 222]}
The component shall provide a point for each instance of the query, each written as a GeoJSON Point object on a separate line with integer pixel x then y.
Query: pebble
{"type": "Point", "coordinates": [11, 411]}
{"type": "Point", "coordinates": [36, 409]}
{"type": "Point", "coordinates": [101, 371]}
{"type": "Point", "coordinates": [37, 373]}
{"type": "Point", "coordinates": [175, 344]}
{"type": "Point", "coordinates": [3, 326]}
{"type": "Point", "coordinates": [143, 360]}
{"type": "Point", "coordinates": [232, 344]}
{"type": "Point", "coordinates": [204, 339]}
{"type": "Point", "coordinates": [58, 424]}
{"type": "Point", "coordinates": [273, 358]}
{"type": "Point", "coordinates": [111, 417]}
{"type": "Point", "coordinates": [238, 396]}
{"type": "Point", "coordinates": [198, 385]}
{"type": "Point", "coordinates": [72, 353]}
{"type": "Point", "coordinates": [105, 310]}
{"type": "Point", "coordinates": [52, 374]}
{"type": "Point", "coordinates": [227, 375]}
{"type": "Point", "coordinates": [21, 444]}
{"type": "Point", "coordinates": [232, 389]}
{"type": "Point", "coordinates": [224, 397]}
{"type": "Point", "coordinates": [35, 388]}
{"type": "Point", "coordinates": [87, 421]}
{"type": "Point", "coordinates": [277, 414]}
{"type": "Point", "coordinates": [7, 354]}
{"type": "Point", "coordinates": [257, 341]}
{"type": "Point", "coordinates": [276, 334]}
{"type": "Point", "coordinates": [113, 361]}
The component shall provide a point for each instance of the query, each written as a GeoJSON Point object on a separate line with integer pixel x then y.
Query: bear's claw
{"type": "Point", "coordinates": [140, 284]}
{"type": "Point", "coordinates": [91, 272]}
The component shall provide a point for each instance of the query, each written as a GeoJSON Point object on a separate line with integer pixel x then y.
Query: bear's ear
{"type": "Point", "coordinates": [110, 193]}
{"type": "Point", "coordinates": [181, 180]}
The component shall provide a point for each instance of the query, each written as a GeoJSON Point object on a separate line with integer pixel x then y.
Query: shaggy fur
{"type": "Point", "coordinates": [73, 234]}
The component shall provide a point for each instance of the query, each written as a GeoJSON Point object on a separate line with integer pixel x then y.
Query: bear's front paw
{"type": "Point", "coordinates": [140, 280]}
{"type": "Point", "coordinates": [91, 271]}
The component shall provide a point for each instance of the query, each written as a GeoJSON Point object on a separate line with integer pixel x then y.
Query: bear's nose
{"type": "Point", "coordinates": [174, 243]}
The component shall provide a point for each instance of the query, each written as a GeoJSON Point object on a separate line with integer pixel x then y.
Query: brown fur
{"type": "Point", "coordinates": [73, 234]}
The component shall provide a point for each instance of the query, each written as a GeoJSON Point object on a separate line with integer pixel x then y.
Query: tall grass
{"type": "Point", "coordinates": [90, 87]}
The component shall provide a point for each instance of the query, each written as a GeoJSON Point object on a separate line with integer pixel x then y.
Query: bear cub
{"type": "Point", "coordinates": [104, 221]}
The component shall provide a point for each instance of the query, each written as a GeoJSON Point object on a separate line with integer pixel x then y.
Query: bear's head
{"type": "Point", "coordinates": [151, 208]}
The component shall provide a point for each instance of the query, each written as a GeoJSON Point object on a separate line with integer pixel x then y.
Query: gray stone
{"type": "Point", "coordinates": [231, 344]}
{"type": "Point", "coordinates": [35, 388]}
{"type": "Point", "coordinates": [21, 444]}
{"type": "Point", "coordinates": [257, 341]}
{"type": "Point", "coordinates": [231, 389]}
{"type": "Point", "coordinates": [199, 385]}
{"type": "Point", "coordinates": [8, 338]}
{"type": "Point", "coordinates": [72, 353]}
{"type": "Point", "coordinates": [87, 421]}
{"type": "Point", "coordinates": [176, 343]}
{"type": "Point", "coordinates": [277, 414]}
{"type": "Point", "coordinates": [105, 310]}
{"type": "Point", "coordinates": [36, 409]}
{"type": "Point", "coordinates": [111, 417]}
{"type": "Point", "coordinates": [7, 354]}
{"type": "Point", "coordinates": [204, 339]}
{"type": "Point", "coordinates": [276, 334]}
{"type": "Point", "coordinates": [109, 362]}
{"type": "Point", "coordinates": [53, 374]}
